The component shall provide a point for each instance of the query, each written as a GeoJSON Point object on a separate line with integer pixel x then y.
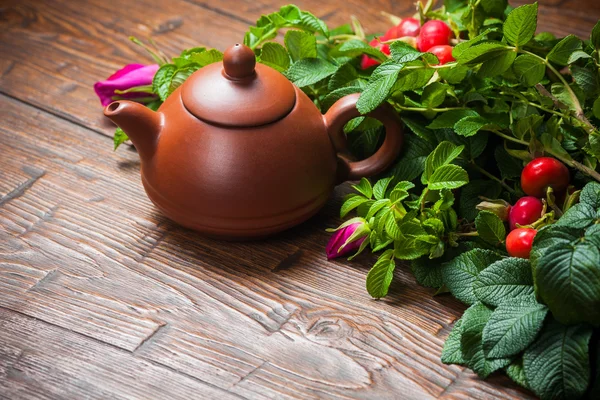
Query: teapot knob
{"type": "Point", "coordinates": [239, 61]}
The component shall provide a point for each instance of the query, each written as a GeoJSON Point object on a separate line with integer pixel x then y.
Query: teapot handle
{"type": "Point", "coordinates": [343, 111]}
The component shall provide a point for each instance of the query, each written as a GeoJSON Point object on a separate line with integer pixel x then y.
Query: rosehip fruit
{"type": "Point", "coordinates": [367, 61]}
{"type": "Point", "coordinates": [407, 27]}
{"type": "Point", "coordinates": [542, 173]}
{"type": "Point", "coordinates": [433, 33]}
{"type": "Point", "coordinates": [443, 53]}
{"type": "Point", "coordinates": [519, 241]}
{"type": "Point", "coordinates": [526, 211]}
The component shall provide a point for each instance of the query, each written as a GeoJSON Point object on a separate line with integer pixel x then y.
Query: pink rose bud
{"type": "Point", "coordinates": [128, 77]}
{"type": "Point", "coordinates": [347, 238]}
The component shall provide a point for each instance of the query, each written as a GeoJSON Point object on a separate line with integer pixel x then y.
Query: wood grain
{"type": "Point", "coordinates": [102, 297]}
{"type": "Point", "coordinates": [83, 249]}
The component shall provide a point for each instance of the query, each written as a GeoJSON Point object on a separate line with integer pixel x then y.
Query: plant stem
{"type": "Point", "coordinates": [423, 199]}
{"type": "Point", "coordinates": [510, 138]}
{"type": "Point", "coordinates": [492, 177]}
{"type": "Point", "coordinates": [466, 234]}
{"type": "Point", "coordinates": [423, 109]}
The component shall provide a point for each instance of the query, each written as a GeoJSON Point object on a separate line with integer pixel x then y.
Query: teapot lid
{"type": "Point", "coordinates": [238, 91]}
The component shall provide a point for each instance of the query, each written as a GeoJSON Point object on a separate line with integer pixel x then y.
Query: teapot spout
{"type": "Point", "coordinates": [140, 123]}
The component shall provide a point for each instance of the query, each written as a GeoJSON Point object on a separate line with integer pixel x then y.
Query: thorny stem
{"type": "Point", "coordinates": [492, 177]}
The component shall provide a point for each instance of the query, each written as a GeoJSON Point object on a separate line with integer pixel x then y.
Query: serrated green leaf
{"type": "Point", "coordinates": [568, 281]}
{"type": "Point", "coordinates": [351, 203]}
{"type": "Point", "coordinates": [354, 48]}
{"type": "Point", "coordinates": [380, 276]}
{"type": "Point", "coordinates": [497, 64]}
{"type": "Point", "coordinates": [412, 159]}
{"type": "Point", "coordinates": [375, 207]}
{"type": "Point", "coordinates": [179, 77]}
{"type": "Point", "coordinates": [590, 195]}
{"type": "Point", "coordinates": [311, 23]}
{"type": "Point", "coordinates": [586, 79]}
{"type": "Point", "coordinates": [448, 177]}
{"type": "Point", "coordinates": [275, 56]}
{"type": "Point", "coordinates": [207, 57]}
{"type": "Point", "coordinates": [482, 52]}
{"type": "Point", "coordinates": [434, 94]}
{"type": "Point", "coordinates": [529, 70]}
{"type": "Point", "coordinates": [444, 154]}
{"type": "Point", "coordinates": [345, 76]}
{"type": "Point", "coordinates": [409, 248]}
{"type": "Point", "coordinates": [427, 272]}
{"type": "Point", "coordinates": [119, 138]}
{"type": "Point", "coordinates": [520, 25]}
{"type": "Point", "coordinates": [596, 108]}
{"type": "Point", "coordinates": [460, 273]}
{"type": "Point", "coordinates": [579, 216]}
{"type": "Point", "coordinates": [162, 80]}
{"type": "Point", "coordinates": [450, 118]}
{"type": "Point", "coordinates": [562, 51]}
{"type": "Point", "coordinates": [508, 278]}
{"type": "Point", "coordinates": [551, 236]}
{"type": "Point", "coordinates": [512, 327]}
{"type": "Point", "coordinates": [403, 53]}
{"type": "Point", "coordinates": [510, 167]}
{"type": "Point", "coordinates": [469, 126]}
{"type": "Point", "coordinates": [300, 44]}
{"type": "Point", "coordinates": [595, 36]}
{"type": "Point", "coordinates": [364, 187]}
{"type": "Point", "coordinates": [474, 321]}
{"type": "Point", "coordinates": [309, 71]}
{"type": "Point", "coordinates": [469, 196]}
{"type": "Point", "coordinates": [380, 187]}
{"type": "Point", "coordinates": [378, 89]}
{"type": "Point", "coordinates": [516, 372]}
{"type": "Point", "coordinates": [490, 228]}
{"type": "Point", "coordinates": [452, 353]}
{"type": "Point", "coordinates": [557, 365]}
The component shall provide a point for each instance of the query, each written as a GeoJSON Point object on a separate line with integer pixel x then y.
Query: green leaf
{"type": "Point", "coordinates": [448, 177]}
{"type": "Point", "coordinates": [452, 353]}
{"type": "Point", "coordinates": [481, 52]}
{"type": "Point", "coordinates": [562, 51]}
{"type": "Point", "coordinates": [510, 167]}
{"type": "Point", "coordinates": [579, 216]}
{"type": "Point", "coordinates": [309, 71]}
{"type": "Point", "coordinates": [275, 56]}
{"type": "Point", "coordinates": [351, 203]}
{"type": "Point", "coordinates": [474, 321]}
{"type": "Point", "coordinates": [596, 108]}
{"type": "Point", "coordinates": [568, 281]}
{"type": "Point", "coordinates": [469, 126]}
{"type": "Point", "coordinates": [529, 70]}
{"type": "Point", "coordinates": [460, 273]}
{"type": "Point", "coordinates": [586, 79]}
{"type": "Point", "coordinates": [375, 207]}
{"type": "Point", "coordinates": [520, 25]}
{"type": "Point", "coordinates": [162, 80]}
{"type": "Point", "coordinates": [403, 53]}
{"type": "Point", "coordinates": [354, 48]}
{"type": "Point", "coordinates": [490, 228]}
{"type": "Point", "coordinates": [512, 327]}
{"type": "Point", "coordinates": [557, 365]}
{"type": "Point", "coordinates": [179, 77]}
{"type": "Point", "coordinates": [346, 76]}
{"type": "Point", "coordinates": [300, 44]}
{"type": "Point", "coordinates": [380, 276]}
{"type": "Point", "coordinates": [450, 118]}
{"type": "Point", "coordinates": [119, 138]}
{"type": "Point", "coordinates": [207, 57]}
{"type": "Point", "coordinates": [380, 187]}
{"type": "Point", "coordinates": [413, 79]}
{"type": "Point", "coordinates": [590, 195]}
{"type": "Point", "coordinates": [311, 23]}
{"type": "Point", "coordinates": [434, 94]}
{"type": "Point", "coordinates": [378, 89]}
{"type": "Point", "coordinates": [595, 36]}
{"type": "Point", "coordinates": [409, 248]}
{"type": "Point", "coordinates": [364, 187]}
{"type": "Point", "coordinates": [508, 278]}
{"type": "Point", "coordinates": [551, 236]}
{"type": "Point", "coordinates": [497, 64]}
{"type": "Point", "coordinates": [444, 154]}
{"type": "Point", "coordinates": [516, 372]}
{"type": "Point", "coordinates": [427, 272]}
{"type": "Point", "coordinates": [412, 159]}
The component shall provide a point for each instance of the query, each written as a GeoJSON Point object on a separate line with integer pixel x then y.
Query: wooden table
{"type": "Point", "coordinates": [102, 297]}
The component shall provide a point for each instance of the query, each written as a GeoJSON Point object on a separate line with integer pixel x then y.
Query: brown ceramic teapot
{"type": "Point", "coordinates": [239, 152]}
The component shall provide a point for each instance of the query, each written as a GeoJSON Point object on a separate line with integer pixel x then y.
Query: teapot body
{"type": "Point", "coordinates": [241, 182]}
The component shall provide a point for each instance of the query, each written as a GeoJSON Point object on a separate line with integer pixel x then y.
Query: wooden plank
{"type": "Point", "coordinates": [82, 248]}
{"type": "Point", "coordinates": [43, 361]}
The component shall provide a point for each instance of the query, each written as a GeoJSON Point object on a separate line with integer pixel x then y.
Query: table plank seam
{"type": "Point", "coordinates": [23, 187]}
{"type": "Point", "coordinates": [221, 12]}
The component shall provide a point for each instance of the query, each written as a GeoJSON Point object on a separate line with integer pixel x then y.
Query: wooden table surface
{"type": "Point", "coordinates": [102, 297]}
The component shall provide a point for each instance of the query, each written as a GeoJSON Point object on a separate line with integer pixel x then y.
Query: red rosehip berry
{"type": "Point", "coordinates": [366, 61]}
{"type": "Point", "coordinates": [443, 53]}
{"type": "Point", "coordinates": [542, 173]}
{"type": "Point", "coordinates": [407, 27]}
{"type": "Point", "coordinates": [526, 211]}
{"type": "Point", "coordinates": [433, 33]}
{"type": "Point", "coordinates": [519, 241]}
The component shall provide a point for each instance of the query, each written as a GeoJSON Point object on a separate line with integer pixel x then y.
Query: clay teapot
{"type": "Point", "coordinates": [239, 152]}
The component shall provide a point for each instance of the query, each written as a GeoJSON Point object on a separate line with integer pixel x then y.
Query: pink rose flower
{"type": "Point", "coordinates": [347, 238]}
{"type": "Point", "coordinates": [129, 76]}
